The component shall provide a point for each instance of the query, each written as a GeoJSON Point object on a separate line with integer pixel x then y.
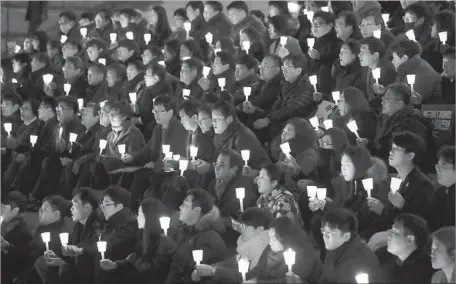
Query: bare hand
{"type": "Point", "coordinates": [126, 158]}
{"type": "Point", "coordinates": [375, 205]}
{"type": "Point", "coordinates": [65, 161]}
{"type": "Point", "coordinates": [204, 270]}
{"type": "Point", "coordinates": [107, 264]}
{"type": "Point", "coordinates": [362, 142]}
{"type": "Point", "coordinates": [396, 199]}
{"type": "Point", "coordinates": [317, 97]}
{"type": "Point", "coordinates": [378, 89]}
{"type": "Point", "coordinates": [247, 107]}
{"type": "Point", "coordinates": [149, 165]}
{"type": "Point", "coordinates": [261, 123]}
{"type": "Point", "coordinates": [282, 52]}
{"type": "Point", "coordinates": [314, 54]}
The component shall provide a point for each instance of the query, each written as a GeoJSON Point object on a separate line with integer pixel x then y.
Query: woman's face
{"type": "Point", "coordinates": [274, 243]}
{"type": "Point", "coordinates": [264, 182]}
{"type": "Point", "coordinates": [342, 105]}
{"type": "Point", "coordinates": [439, 255]}
{"type": "Point", "coordinates": [347, 168]}
{"type": "Point", "coordinates": [36, 44]}
{"type": "Point", "coordinates": [218, 45]}
{"type": "Point", "coordinates": [28, 44]}
{"type": "Point", "coordinates": [147, 57]}
{"type": "Point", "coordinates": [153, 17]}
{"type": "Point", "coordinates": [141, 219]}
{"type": "Point", "coordinates": [346, 56]}
{"type": "Point", "coordinates": [111, 77]}
{"type": "Point", "coordinates": [272, 33]}
{"type": "Point", "coordinates": [288, 133]}
{"type": "Point", "coordinates": [17, 66]}
{"type": "Point", "coordinates": [326, 142]}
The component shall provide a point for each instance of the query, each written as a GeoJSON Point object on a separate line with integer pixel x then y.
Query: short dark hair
{"type": "Point", "coordinates": [238, 5]}
{"type": "Point", "coordinates": [173, 45]}
{"type": "Point", "coordinates": [118, 68]}
{"type": "Point", "coordinates": [445, 20]}
{"type": "Point", "coordinates": [328, 17]}
{"type": "Point", "coordinates": [203, 199]}
{"type": "Point", "coordinates": [49, 102]}
{"type": "Point", "coordinates": [420, 9]}
{"type": "Point", "coordinates": [73, 43]}
{"type": "Point", "coordinates": [235, 157]}
{"type": "Point", "coordinates": [22, 58]}
{"type": "Point", "coordinates": [70, 15]}
{"type": "Point", "coordinates": [194, 64]}
{"type": "Point", "coordinates": [275, 58]}
{"type": "Point", "coordinates": [181, 13]}
{"type": "Point", "coordinates": [87, 196]}
{"type": "Point", "coordinates": [274, 172]}
{"type": "Point", "coordinates": [87, 15]}
{"type": "Point", "coordinates": [129, 45]}
{"type": "Point", "coordinates": [447, 153]}
{"type": "Point", "coordinates": [189, 107]}
{"type": "Point", "coordinates": [256, 217]}
{"type": "Point", "coordinates": [15, 199]}
{"type": "Point", "coordinates": [378, 20]}
{"type": "Point", "coordinates": [280, 24]}
{"type": "Point", "coordinates": [375, 45]}
{"type": "Point", "coordinates": [216, 5]}
{"type": "Point", "coordinates": [99, 68]}
{"type": "Point", "coordinates": [290, 235]}
{"type": "Point", "coordinates": [166, 101]}
{"type": "Point", "coordinates": [157, 70]}
{"type": "Point", "coordinates": [193, 46]}
{"type": "Point", "coordinates": [129, 12]}
{"type": "Point", "coordinates": [70, 102]}
{"type": "Point", "coordinates": [11, 97]}
{"type": "Point", "coordinates": [94, 106]}
{"type": "Point", "coordinates": [406, 47]}
{"type": "Point", "coordinates": [297, 60]}
{"type": "Point", "coordinates": [226, 58]}
{"type": "Point", "coordinates": [411, 142]}
{"type": "Point", "coordinates": [58, 203]}
{"type": "Point", "coordinates": [118, 195]}
{"type": "Point", "coordinates": [41, 57]}
{"type": "Point", "coordinates": [196, 5]}
{"type": "Point", "coordinates": [98, 43]}
{"type": "Point", "coordinates": [353, 45]}
{"type": "Point", "coordinates": [123, 109]}
{"type": "Point", "coordinates": [106, 14]}
{"type": "Point", "coordinates": [248, 61]}
{"type": "Point", "coordinates": [33, 103]}
{"type": "Point", "coordinates": [342, 219]}
{"type": "Point", "coordinates": [77, 62]}
{"type": "Point", "coordinates": [280, 5]}
{"type": "Point", "coordinates": [226, 108]}
{"type": "Point", "coordinates": [350, 20]}
{"type": "Point", "coordinates": [416, 226]}
{"type": "Point", "coordinates": [401, 91]}
{"type": "Point", "coordinates": [137, 64]}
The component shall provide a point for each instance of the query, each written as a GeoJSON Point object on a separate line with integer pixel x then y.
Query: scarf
{"type": "Point", "coordinates": [221, 140]}
{"type": "Point", "coordinates": [253, 248]}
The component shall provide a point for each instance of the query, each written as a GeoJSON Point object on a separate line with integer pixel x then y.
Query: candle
{"type": "Point", "coordinates": [209, 38]}
{"type": "Point", "coordinates": [283, 41]}
{"type": "Point", "coordinates": [247, 92]}
{"type": "Point", "coordinates": [63, 238]}
{"type": "Point", "coordinates": [368, 185]}
{"type": "Point", "coordinates": [176, 157]}
{"type": "Point", "coordinates": [206, 71]}
{"type": "Point", "coordinates": [443, 36]}
{"type": "Point", "coordinates": [243, 265]}
{"type": "Point", "coordinates": [83, 32]}
{"type": "Point", "coordinates": [325, 9]}
{"type": "Point", "coordinates": [8, 127]}
{"type": "Point", "coordinates": [102, 104]}
{"type": "Point", "coordinates": [240, 194]}
{"type": "Point", "coordinates": [185, 94]}
{"type": "Point", "coordinates": [197, 256]}
{"type": "Point", "coordinates": [410, 35]}
{"type": "Point", "coordinates": [73, 137]}
{"type": "Point", "coordinates": [113, 37]}
{"type": "Point", "coordinates": [183, 164]}
{"type": "Point", "coordinates": [46, 239]}
{"type": "Point", "coordinates": [285, 148]}
{"type": "Point", "coordinates": [193, 152]}
{"type": "Point", "coordinates": [101, 245]}
{"type": "Point", "coordinates": [311, 191]}
{"type": "Point", "coordinates": [290, 257]}
{"type": "Point", "coordinates": [187, 28]}
{"type": "Point", "coordinates": [17, 48]}
{"type": "Point", "coordinates": [376, 74]}
{"type": "Point", "coordinates": [47, 78]}
{"type": "Point", "coordinates": [314, 122]}
{"type": "Point", "coordinates": [33, 139]}
{"type": "Point", "coordinates": [336, 96]}
{"type": "Point", "coordinates": [185, 58]}
{"type": "Point", "coordinates": [362, 278]}
{"type": "Point", "coordinates": [102, 61]}
{"type": "Point", "coordinates": [130, 35]}
{"type": "Point", "coordinates": [310, 42]}
{"type": "Point", "coordinates": [162, 63]}
{"type": "Point", "coordinates": [293, 7]}
{"type": "Point", "coordinates": [164, 224]}
{"type": "Point", "coordinates": [221, 82]}
{"type": "Point", "coordinates": [103, 144]}
{"type": "Point", "coordinates": [321, 193]}
{"type": "Point", "coordinates": [395, 184]}
{"type": "Point", "coordinates": [313, 80]}
{"type": "Point", "coordinates": [169, 155]}
{"type": "Point", "coordinates": [121, 149]}
{"type": "Point", "coordinates": [353, 127]}
{"type": "Point", "coordinates": [385, 18]}
{"type": "Point", "coordinates": [67, 88]}
{"type": "Point", "coordinates": [411, 81]}
{"type": "Point", "coordinates": [166, 148]}
{"type": "Point", "coordinates": [246, 46]}
{"type": "Point", "coordinates": [81, 103]}
{"type": "Point", "coordinates": [217, 50]}
{"type": "Point", "coordinates": [147, 38]}
{"type": "Point", "coordinates": [14, 81]}
{"type": "Point", "coordinates": [133, 97]}
{"type": "Point", "coordinates": [310, 16]}
{"type": "Point", "coordinates": [245, 156]}
{"type": "Point", "coordinates": [328, 123]}
{"type": "Point", "coordinates": [60, 132]}
{"type": "Point", "coordinates": [63, 38]}
{"type": "Point", "coordinates": [377, 33]}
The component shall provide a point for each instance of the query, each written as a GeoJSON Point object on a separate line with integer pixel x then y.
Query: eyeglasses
{"type": "Point", "coordinates": [385, 98]}
{"type": "Point", "coordinates": [443, 168]}
{"type": "Point", "coordinates": [325, 143]}
{"type": "Point", "coordinates": [106, 205]}
{"type": "Point", "coordinates": [218, 166]}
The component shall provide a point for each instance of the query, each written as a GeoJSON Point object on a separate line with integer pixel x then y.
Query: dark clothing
{"type": "Point", "coordinates": [345, 262]}
{"type": "Point", "coordinates": [102, 33]}
{"type": "Point", "coordinates": [97, 94]}
{"type": "Point", "coordinates": [416, 268]}
{"type": "Point", "coordinates": [252, 81]}
{"type": "Point", "coordinates": [441, 210]}
{"type": "Point", "coordinates": [448, 90]}
{"type": "Point", "coordinates": [219, 26]}
{"type": "Point", "coordinates": [79, 88]}
{"type": "Point", "coordinates": [267, 94]}
{"type": "Point", "coordinates": [248, 22]}
{"type": "Point", "coordinates": [347, 76]}
{"type": "Point", "coordinates": [387, 77]}
{"type": "Point", "coordinates": [117, 92]}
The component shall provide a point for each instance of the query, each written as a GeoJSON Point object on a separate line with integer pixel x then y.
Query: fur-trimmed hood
{"type": "Point", "coordinates": [378, 171]}
{"type": "Point", "coordinates": [211, 221]}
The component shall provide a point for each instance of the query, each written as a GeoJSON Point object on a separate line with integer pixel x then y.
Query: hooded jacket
{"type": "Point", "coordinates": [347, 76]}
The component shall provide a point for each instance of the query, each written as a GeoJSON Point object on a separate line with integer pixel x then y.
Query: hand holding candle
{"type": "Point", "coordinates": [376, 74]}
{"type": "Point", "coordinates": [245, 156]}
{"type": "Point", "coordinates": [46, 236]}
{"type": "Point", "coordinates": [246, 46]}
{"type": "Point", "coordinates": [368, 185]}
{"type": "Point", "coordinates": [353, 128]}
{"type": "Point", "coordinates": [443, 36]}
{"type": "Point", "coordinates": [81, 103]}
{"type": "Point", "coordinates": [187, 28]}
{"type": "Point", "coordinates": [63, 39]}
{"type": "Point", "coordinates": [101, 245]}
{"type": "Point", "coordinates": [133, 97]}
{"type": "Point", "coordinates": [73, 137]}
{"type": "Point", "coordinates": [185, 94]}
{"type": "Point", "coordinates": [247, 92]}
{"type": "Point", "coordinates": [121, 149]}
{"type": "Point", "coordinates": [8, 127]}
{"type": "Point", "coordinates": [103, 144]}
{"type": "Point", "coordinates": [243, 265]}
{"type": "Point", "coordinates": [47, 78]}
{"type": "Point", "coordinates": [321, 193]}
{"type": "Point", "coordinates": [67, 88]}
{"type": "Point", "coordinates": [113, 37]}
{"type": "Point", "coordinates": [183, 164]}
{"type": "Point", "coordinates": [362, 278]}
{"type": "Point", "coordinates": [102, 61]}
{"type": "Point", "coordinates": [311, 191]}
{"type": "Point", "coordinates": [290, 257]}
{"type": "Point", "coordinates": [314, 122]}
{"type": "Point", "coordinates": [313, 80]}
{"type": "Point", "coordinates": [193, 152]}
{"type": "Point", "coordinates": [164, 224]}
{"type": "Point", "coordinates": [147, 38]}
{"type": "Point", "coordinates": [197, 256]}
{"type": "Point", "coordinates": [83, 32]}
{"type": "Point", "coordinates": [130, 35]}
{"type": "Point", "coordinates": [336, 96]}
{"type": "Point", "coordinates": [209, 38]}
{"type": "Point", "coordinates": [240, 194]}
{"type": "Point", "coordinates": [64, 239]}
{"type": "Point", "coordinates": [328, 123]}
{"type": "Point", "coordinates": [411, 35]}
{"type": "Point", "coordinates": [285, 148]}
{"type": "Point", "coordinates": [206, 71]}
{"type": "Point", "coordinates": [395, 184]}
{"type": "Point", "coordinates": [166, 148]}
{"type": "Point", "coordinates": [283, 41]}
{"type": "Point", "coordinates": [385, 18]}
{"type": "Point", "coordinates": [378, 34]}
{"type": "Point", "coordinates": [221, 82]}
{"type": "Point", "coordinates": [411, 80]}
{"type": "Point", "coordinates": [33, 139]}
{"type": "Point", "coordinates": [310, 15]}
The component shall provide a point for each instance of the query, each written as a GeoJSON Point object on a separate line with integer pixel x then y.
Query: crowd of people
{"type": "Point", "coordinates": [196, 150]}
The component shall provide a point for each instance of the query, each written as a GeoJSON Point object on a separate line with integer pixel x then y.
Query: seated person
{"type": "Point", "coordinates": [97, 89]}
{"type": "Point", "coordinates": [96, 48]}
{"type": "Point", "coordinates": [116, 74]}
{"type": "Point", "coordinates": [346, 254]}
{"type": "Point", "coordinates": [442, 255]}
{"type": "Point", "coordinates": [74, 73]}
{"type": "Point", "coordinates": [11, 104]}
{"type": "Point", "coordinates": [190, 74]}
{"type": "Point", "coordinates": [448, 76]}
{"type": "Point", "coordinates": [408, 243]}
{"type": "Point", "coordinates": [200, 228]}
{"type": "Point", "coordinates": [246, 75]}
{"type": "Point", "coordinates": [171, 52]}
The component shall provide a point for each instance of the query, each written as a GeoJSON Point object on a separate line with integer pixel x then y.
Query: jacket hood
{"type": "Point", "coordinates": [211, 221]}
{"type": "Point", "coordinates": [378, 171]}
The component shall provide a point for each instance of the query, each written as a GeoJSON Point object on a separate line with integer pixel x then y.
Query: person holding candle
{"type": "Point", "coordinates": [116, 75]}
{"type": "Point", "coordinates": [442, 22]}
{"type": "Point", "coordinates": [11, 104]}
{"type": "Point", "coordinates": [255, 40]}
{"type": "Point", "coordinates": [22, 71]}
{"type": "Point", "coordinates": [152, 53]}
{"type": "Point", "coordinates": [103, 26]}
{"type": "Point", "coordinates": [127, 51]}
{"type": "Point", "coordinates": [217, 22]}
{"type": "Point", "coordinates": [346, 254]}
{"type": "Point", "coordinates": [408, 243]}
{"type": "Point", "coordinates": [129, 28]}
{"type": "Point", "coordinates": [278, 28]}
{"type": "Point", "coordinates": [347, 26]}
{"type": "Point", "coordinates": [442, 255]}
{"type": "Point", "coordinates": [246, 77]}
{"type": "Point", "coordinates": [96, 49]}
{"type": "Point", "coordinates": [96, 91]}
{"type": "Point", "coordinates": [71, 48]}
{"type": "Point", "coordinates": [371, 22]}
{"type": "Point", "coordinates": [69, 26]}
{"type": "Point", "coordinates": [74, 75]}
{"type": "Point", "coordinates": [347, 71]}
{"type": "Point", "coordinates": [407, 60]}
{"type": "Point", "coordinates": [223, 67]}
{"type": "Point", "coordinates": [448, 76]}
{"type": "Point", "coordinates": [158, 24]}
{"type": "Point", "coordinates": [190, 48]}
{"type": "Point", "coordinates": [238, 13]}
{"type": "Point", "coordinates": [40, 68]}
{"type": "Point", "coordinates": [180, 17]}
{"type": "Point", "coordinates": [189, 76]}
{"type": "Point", "coordinates": [200, 228]}
{"type": "Point", "coordinates": [135, 80]}
{"type": "Point", "coordinates": [171, 53]}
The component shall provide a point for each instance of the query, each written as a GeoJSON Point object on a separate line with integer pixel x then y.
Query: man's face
{"type": "Point", "coordinates": [218, 67]}
{"type": "Point", "coordinates": [147, 57]}
{"type": "Point", "coordinates": [47, 214]}
{"type": "Point", "coordinates": [51, 51]}
{"type": "Point", "coordinates": [204, 121]}
{"type": "Point", "coordinates": [398, 240]}
{"type": "Point", "coordinates": [333, 237]}
{"type": "Point", "coordinates": [68, 50]}
{"type": "Point", "coordinates": [187, 214]}
{"type": "Point", "coordinates": [36, 64]}
{"type": "Point", "coordinates": [28, 44]}
{"type": "Point", "coordinates": [116, 118]}
{"type": "Point", "coordinates": [219, 122]}
{"type": "Point", "coordinates": [184, 52]}
{"type": "Point", "coordinates": [162, 116]}
{"type": "Point", "coordinates": [7, 212]}
{"type": "Point", "coordinates": [446, 174]}
{"type": "Point", "coordinates": [397, 156]}
{"type": "Point", "coordinates": [290, 73]}
{"type": "Point", "coordinates": [65, 25]}
{"type": "Point", "coordinates": [268, 69]}
{"type": "Point", "coordinates": [17, 66]}
{"type": "Point", "coordinates": [179, 22]}
{"type": "Point", "coordinates": [45, 112]}
{"type": "Point", "coordinates": [248, 232]}
{"type": "Point", "coordinates": [241, 72]}
{"type": "Point", "coordinates": [124, 20]}
{"type": "Point", "coordinates": [149, 78]}
{"type": "Point", "coordinates": [390, 104]}
{"type": "Point", "coordinates": [123, 53]}
{"type": "Point", "coordinates": [8, 108]}
{"type": "Point", "coordinates": [288, 133]}
{"type": "Point", "coordinates": [209, 13]}
{"type": "Point", "coordinates": [69, 71]}
{"type": "Point", "coordinates": [347, 168]}
{"type": "Point", "coordinates": [273, 11]}
{"type": "Point", "coordinates": [99, 21]}
{"type": "Point", "coordinates": [342, 30]}
{"type": "Point", "coordinates": [368, 27]}
{"type": "Point", "coordinates": [325, 142]}
{"type": "Point", "coordinates": [365, 56]}
{"type": "Point", "coordinates": [88, 119]}
{"type": "Point", "coordinates": [192, 14]}
{"type": "Point", "coordinates": [131, 72]}
{"type": "Point", "coordinates": [410, 20]}
{"type": "Point", "coordinates": [111, 77]}
{"type": "Point", "coordinates": [236, 15]}
{"type": "Point", "coordinates": [26, 111]}
{"type": "Point", "coordinates": [346, 56]}
{"type": "Point", "coordinates": [223, 169]}
{"type": "Point", "coordinates": [93, 52]}
{"type": "Point", "coordinates": [104, 116]}
{"type": "Point", "coordinates": [64, 112]}
{"type": "Point", "coordinates": [189, 123]}
{"type": "Point", "coordinates": [320, 27]}
{"type": "Point", "coordinates": [94, 77]}
{"type": "Point", "coordinates": [448, 65]}
{"type": "Point", "coordinates": [78, 209]}
{"type": "Point", "coordinates": [109, 208]}
{"type": "Point", "coordinates": [84, 22]}
{"type": "Point", "coordinates": [187, 75]}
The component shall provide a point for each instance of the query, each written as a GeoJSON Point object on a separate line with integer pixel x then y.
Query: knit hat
{"type": "Point", "coordinates": [361, 159]}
